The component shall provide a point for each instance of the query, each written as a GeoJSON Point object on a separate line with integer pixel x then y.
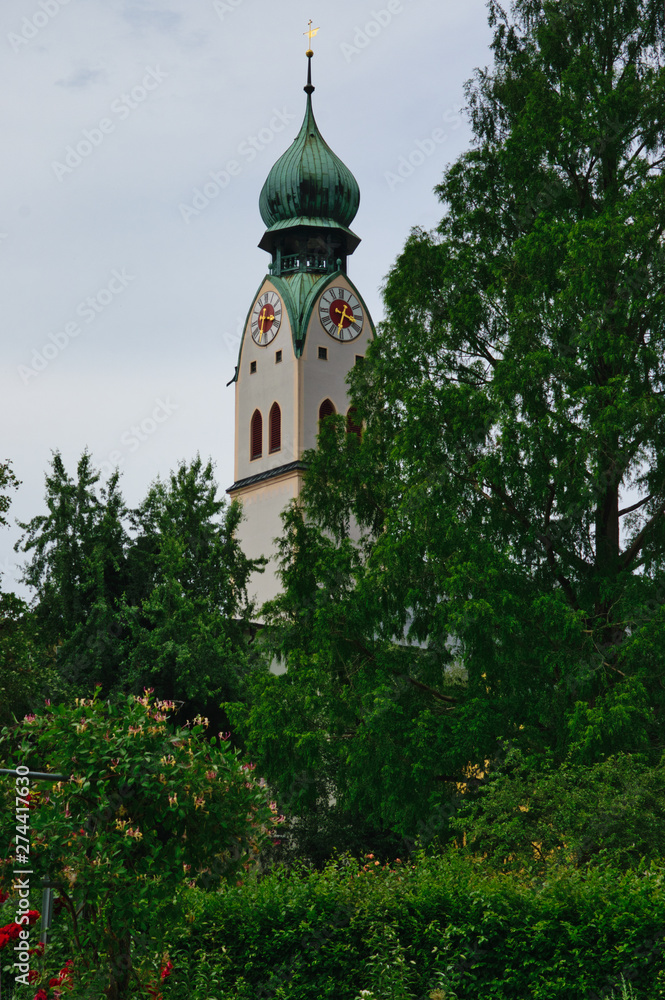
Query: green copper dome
{"type": "Point", "coordinates": [309, 185]}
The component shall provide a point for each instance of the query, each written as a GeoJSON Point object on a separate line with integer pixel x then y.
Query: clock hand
{"type": "Point", "coordinates": [264, 317]}
{"type": "Point", "coordinates": [348, 316]}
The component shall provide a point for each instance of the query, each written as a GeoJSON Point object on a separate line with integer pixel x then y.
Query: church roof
{"type": "Point", "coordinates": [309, 184]}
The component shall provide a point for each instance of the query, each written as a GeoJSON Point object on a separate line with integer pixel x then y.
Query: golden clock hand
{"type": "Point", "coordinates": [348, 316]}
{"type": "Point", "coordinates": [264, 317]}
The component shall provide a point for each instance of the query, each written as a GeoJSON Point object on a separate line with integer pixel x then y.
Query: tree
{"type": "Point", "coordinates": [342, 735]}
{"type": "Point", "coordinates": [540, 818]}
{"type": "Point", "coordinates": [24, 672]}
{"type": "Point", "coordinates": [8, 481]}
{"type": "Point", "coordinates": [510, 481]}
{"type": "Point", "coordinates": [79, 573]}
{"type": "Point", "coordinates": [187, 610]}
{"type": "Point", "coordinates": [145, 809]}
{"type": "Point", "coordinates": [517, 389]}
{"type": "Point", "coordinates": [155, 596]}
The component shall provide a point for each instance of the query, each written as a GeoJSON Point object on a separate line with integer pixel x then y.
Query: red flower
{"type": "Point", "coordinates": [63, 974]}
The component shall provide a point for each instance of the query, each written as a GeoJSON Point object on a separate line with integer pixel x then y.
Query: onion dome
{"type": "Point", "coordinates": [309, 188]}
{"type": "Point", "coordinates": [309, 181]}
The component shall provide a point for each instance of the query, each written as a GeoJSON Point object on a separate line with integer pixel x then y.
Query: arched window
{"type": "Point", "coordinates": [326, 409]}
{"type": "Point", "coordinates": [353, 425]}
{"type": "Point", "coordinates": [256, 435]}
{"type": "Point", "coordinates": [275, 428]}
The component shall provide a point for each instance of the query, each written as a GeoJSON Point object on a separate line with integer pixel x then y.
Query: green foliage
{"type": "Point", "coordinates": [25, 670]}
{"type": "Point", "coordinates": [8, 481]}
{"type": "Point", "coordinates": [531, 814]}
{"type": "Point", "coordinates": [156, 596]}
{"type": "Point", "coordinates": [144, 810]}
{"type": "Point", "coordinates": [509, 486]}
{"type": "Point", "coordinates": [78, 570]}
{"type": "Point", "coordinates": [443, 928]}
{"type": "Point", "coordinates": [187, 608]}
{"type": "Point", "coordinates": [354, 734]}
{"type": "Point", "coordinates": [27, 675]}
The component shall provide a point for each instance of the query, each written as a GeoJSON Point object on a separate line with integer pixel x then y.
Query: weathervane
{"type": "Point", "coordinates": [311, 32]}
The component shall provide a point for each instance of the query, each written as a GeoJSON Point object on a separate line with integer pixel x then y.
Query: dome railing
{"type": "Point", "coordinates": [289, 263]}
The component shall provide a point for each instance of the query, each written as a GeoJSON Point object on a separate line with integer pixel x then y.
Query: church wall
{"type": "Point", "coordinates": [262, 504]}
{"type": "Point", "coordinates": [327, 379]}
{"type": "Point", "coordinates": [272, 382]}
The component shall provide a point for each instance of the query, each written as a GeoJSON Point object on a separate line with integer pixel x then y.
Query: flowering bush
{"type": "Point", "coordinates": [146, 808]}
{"type": "Point", "coordinates": [10, 932]}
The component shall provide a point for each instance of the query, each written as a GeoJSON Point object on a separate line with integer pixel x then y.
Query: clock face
{"type": "Point", "coordinates": [341, 314]}
{"type": "Point", "coordinates": [266, 317]}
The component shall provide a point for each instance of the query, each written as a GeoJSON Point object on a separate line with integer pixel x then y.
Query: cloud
{"type": "Point", "coordinates": [80, 78]}
{"type": "Point", "coordinates": [143, 14]}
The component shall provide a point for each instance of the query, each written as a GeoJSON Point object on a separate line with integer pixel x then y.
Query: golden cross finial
{"type": "Point", "coordinates": [311, 32]}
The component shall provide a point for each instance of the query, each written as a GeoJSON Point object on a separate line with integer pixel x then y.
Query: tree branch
{"type": "Point", "coordinates": [629, 510]}
{"type": "Point", "coordinates": [435, 694]}
{"type": "Point", "coordinates": [630, 553]}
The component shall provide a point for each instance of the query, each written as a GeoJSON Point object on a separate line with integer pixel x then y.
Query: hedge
{"type": "Point", "coordinates": [445, 927]}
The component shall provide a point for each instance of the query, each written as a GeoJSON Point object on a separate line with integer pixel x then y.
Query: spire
{"type": "Point", "coordinates": [308, 88]}
{"type": "Point", "coordinates": [309, 188]}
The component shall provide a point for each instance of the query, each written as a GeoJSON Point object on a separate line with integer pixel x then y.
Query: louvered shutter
{"type": "Point", "coordinates": [326, 409]}
{"type": "Point", "coordinates": [256, 435]}
{"type": "Point", "coordinates": [275, 428]}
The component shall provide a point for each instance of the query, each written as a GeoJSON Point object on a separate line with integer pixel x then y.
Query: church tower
{"type": "Point", "coordinates": [307, 326]}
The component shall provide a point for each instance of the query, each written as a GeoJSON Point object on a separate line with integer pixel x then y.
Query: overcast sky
{"type": "Point", "coordinates": [137, 135]}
